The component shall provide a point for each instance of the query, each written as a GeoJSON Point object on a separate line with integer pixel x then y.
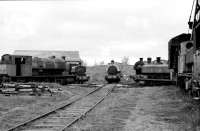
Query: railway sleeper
{"type": "Point", "coordinates": [63, 112]}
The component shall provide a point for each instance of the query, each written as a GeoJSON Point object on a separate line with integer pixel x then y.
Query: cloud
{"type": "Point", "coordinates": [99, 29]}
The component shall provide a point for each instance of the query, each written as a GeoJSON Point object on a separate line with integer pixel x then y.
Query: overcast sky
{"type": "Point", "coordinates": [100, 29]}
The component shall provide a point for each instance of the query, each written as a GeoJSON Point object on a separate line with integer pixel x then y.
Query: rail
{"type": "Point", "coordinates": [62, 107]}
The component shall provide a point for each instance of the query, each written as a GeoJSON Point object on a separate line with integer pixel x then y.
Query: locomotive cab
{"type": "Point", "coordinates": [16, 65]}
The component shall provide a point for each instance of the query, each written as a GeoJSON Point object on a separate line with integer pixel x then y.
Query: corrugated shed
{"type": "Point", "coordinates": [69, 55]}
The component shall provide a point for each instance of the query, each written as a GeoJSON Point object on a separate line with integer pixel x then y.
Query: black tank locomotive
{"type": "Point", "coordinates": [113, 74]}
{"type": "Point", "coordinates": [26, 68]}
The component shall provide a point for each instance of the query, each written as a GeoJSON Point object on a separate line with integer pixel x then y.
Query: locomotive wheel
{"type": "Point", "coordinates": [63, 82]}
{"type": "Point", "coordinates": [5, 79]}
{"type": "Point", "coordinates": [79, 82]}
{"type": "Point", "coordinates": [109, 82]}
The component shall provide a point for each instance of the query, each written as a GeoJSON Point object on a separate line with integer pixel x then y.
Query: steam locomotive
{"type": "Point", "coordinates": [27, 68]}
{"type": "Point", "coordinates": [152, 72]}
{"type": "Point", "coordinates": [184, 55]}
{"type": "Point", "coordinates": [184, 63]}
{"type": "Point", "coordinates": [113, 74]}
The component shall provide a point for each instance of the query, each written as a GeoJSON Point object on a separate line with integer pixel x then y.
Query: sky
{"type": "Point", "coordinates": [100, 30]}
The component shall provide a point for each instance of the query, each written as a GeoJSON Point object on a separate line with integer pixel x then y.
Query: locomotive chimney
{"type": "Point", "coordinates": [52, 57]}
{"type": "Point", "coordinates": [141, 59]}
{"type": "Point", "coordinates": [149, 60]}
{"type": "Point", "coordinates": [63, 57]}
{"type": "Point", "coordinates": [158, 59]}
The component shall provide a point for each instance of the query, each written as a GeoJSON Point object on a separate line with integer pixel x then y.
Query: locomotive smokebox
{"type": "Point", "coordinates": [149, 60]}
{"type": "Point", "coordinates": [189, 45]}
{"type": "Point", "coordinates": [158, 59]}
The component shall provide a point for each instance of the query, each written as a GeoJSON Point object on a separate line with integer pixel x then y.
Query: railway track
{"type": "Point", "coordinates": [62, 117]}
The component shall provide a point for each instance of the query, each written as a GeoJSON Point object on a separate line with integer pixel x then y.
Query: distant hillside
{"type": "Point", "coordinates": [97, 73]}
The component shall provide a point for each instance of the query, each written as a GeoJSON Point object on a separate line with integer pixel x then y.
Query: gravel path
{"type": "Point", "coordinates": [143, 109]}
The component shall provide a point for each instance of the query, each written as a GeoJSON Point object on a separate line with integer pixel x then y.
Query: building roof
{"type": "Point", "coordinates": [178, 39]}
{"type": "Point", "coordinates": [69, 55]}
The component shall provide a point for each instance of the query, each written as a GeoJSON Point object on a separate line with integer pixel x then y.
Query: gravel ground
{"type": "Point", "coordinates": [162, 108]}
{"type": "Point", "coordinates": [17, 108]}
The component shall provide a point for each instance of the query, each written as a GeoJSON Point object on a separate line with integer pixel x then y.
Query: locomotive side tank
{"type": "Point", "coordinates": [157, 69]}
{"type": "Point", "coordinates": [185, 57]}
{"type": "Point", "coordinates": [48, 66]}
{"type": "Point", "coordinates": [152, 71]}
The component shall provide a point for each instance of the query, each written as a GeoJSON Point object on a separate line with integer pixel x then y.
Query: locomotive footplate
{"type": "Point", "coordinates": [86, 78]}
{"type": "Point", "coordinates": [111, 76]}
{"type": "Point", "coordinates": [47, 78]}
{"type": "Point", "coordinates": [163, 81]}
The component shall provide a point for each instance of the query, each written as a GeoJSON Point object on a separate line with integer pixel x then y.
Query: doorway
{"type": "Point", "coordinates": [18, 66]}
